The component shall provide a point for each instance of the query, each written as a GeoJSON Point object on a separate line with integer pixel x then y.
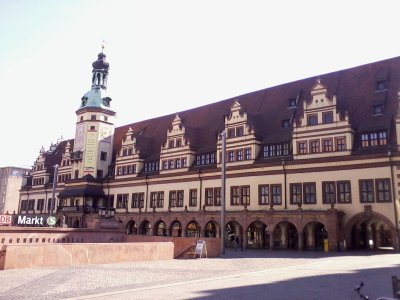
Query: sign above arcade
{"type": "Point", "coordinates": [36, 220]}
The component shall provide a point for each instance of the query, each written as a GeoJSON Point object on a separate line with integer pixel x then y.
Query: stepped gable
{"type": "Point", "coordinates": [267, 108]}
{"type": "Point", "coordinates": [54, 157]}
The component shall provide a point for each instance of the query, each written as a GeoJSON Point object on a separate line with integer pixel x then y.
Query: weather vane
{"type": "Point", "coordinates": [103, 45]}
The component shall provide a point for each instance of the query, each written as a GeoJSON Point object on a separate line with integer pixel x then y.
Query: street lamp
{"type": "Point", "coordinates": [223, 183]}
{"type": "Point", "coordinates": [54, 188]}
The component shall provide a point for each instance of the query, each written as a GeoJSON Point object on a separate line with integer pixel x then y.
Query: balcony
{"type": "Point", "coordinates": [78, 208]}
{"type": "Point", "coordinates": [76, 156]}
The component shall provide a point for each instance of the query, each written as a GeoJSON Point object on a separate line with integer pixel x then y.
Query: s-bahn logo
{"type": "Point", "coordinates": [5, 219]}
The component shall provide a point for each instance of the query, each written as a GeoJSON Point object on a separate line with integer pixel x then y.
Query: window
{"type": "Point", "coordinates": [263, 194]}
{"type": "Point", "coordinates": [366, 191]}
{"type": "Point", "coordinates": [193, 197]}
{"type": "Point", "coordinates": [24, 205]}
{"type": "Point", "coordinates": [344, 191]}
{"type": "Point", "coordinates": [137, 200]}
{"type": "Point", "coordinates": [31, 204]}
{"type": "Point", "coordinates": [239, 131]}
{"type": "Point", "coordinates": [93, 117]}
{"type": "Point", "coordinates": [231, 133]}
{"type": "Point", "coordinates": [295, 193]}
{"type": "Point", "coordinates": [40, 205]}
{"type": "Point", "coordinates": [327, 117]}
{"type": "Point", "coordinates": [312, 120]}
{"type": "Point", "coordinates": [153, 199]}
{"type": "Point", "coordinates": [103, 155]}
{"type": "Point", "coordinates": [122, 200]}
{"type": "Point", "coordinates": [179, 195]}
{"type": "Point", "coordinates": [276, 150]}
{"type": "Point", "coordinates": [151, 166]}
{"type": "Point", "coordinates": [374, 139]}
{"type": "Point", "coordinates": [105, 118]}
{"type": "Point", "coordinates": [292, 102]}
{"type": "Point", "coordinates": [172, 198]}
{"type": "Point", "coordinates": [235, 195]}
{"type": "Point", "coordinates": [160, 199]}
{"type": "Point", "coordinates": [245, 195]}
{"type": "Point", "coordinates": [310, 196]}
{"type": "Point", "coordinates": [381, 86]}
{"type": "Point", "coordinates": [165, 164]}
{"type": "Point", "coordinates": [340, 144]}
{"type": "Point", "coordinates": [231, 156]}
{"type": "Point", "coordinates": [205, 159]}
{"type": "Point", "coordinates": [171, 164]}
{"type": "Point", "coordinates": [377, 109]}
{"type": "Point", "coordinates": [328, 145]}
{"type": "Point", "coordinates": [276, 194]}
{"type": "Point", "coordinates": [178, 163]}
{"type": "Point", "coordinates": [239, 155]}
{"type": "Point", "coordinates": [248, 153]}
{"type": "Point", "coordinates": [99, 174]}
{"type": "Point", "coordinates": [383, 190]}
{"type": "Point", "coordinates": [314, 146]}
{"type": "Point", "coordinates": [286, 124]}
{"type": "Point", "coordinates": [209, 196]}
{"type": "Point", "coordinates": [171, 144]}
{"type": "Point", "coordinates": [92, 128]}
{"type": "Point", "coordinates": [328, 192]}
{"type": "Point", "coordinates": [51, 204]}
{"type": "Point", "coordinates": [302, 147]}
{"type": "Point", "coordinates": [178, 142]}
{"type": "Point", "coordinates": [217, 196]}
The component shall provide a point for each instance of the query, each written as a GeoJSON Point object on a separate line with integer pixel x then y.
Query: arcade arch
{"type": "Point", "coordinates": [258, 236]}
{"type": "Point", "coordinates": [193, 229]}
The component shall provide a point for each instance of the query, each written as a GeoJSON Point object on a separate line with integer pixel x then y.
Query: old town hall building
{"type": "Point", "coordinates": [306, 161]}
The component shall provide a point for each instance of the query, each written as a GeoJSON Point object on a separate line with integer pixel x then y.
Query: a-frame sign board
{"type": "Point", "coordinates": [201, 249]}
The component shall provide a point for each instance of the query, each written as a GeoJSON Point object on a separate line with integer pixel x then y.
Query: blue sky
{"type": "Point", "coordinates": [169, 56]}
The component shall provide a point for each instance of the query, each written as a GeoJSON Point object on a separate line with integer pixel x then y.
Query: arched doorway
{"type": "Point", "coordinates": [314, 234]}
{"type": "Point", "coordinates": [285, 236]}
{"type": "Point", "coordinates": [211, 229]}
{"type": "Point", "coordinates": [160, 229]}
{"type": "Point", "coordinates": [370, 231]}
{"type": "Point", "coordinates": [144, 228]}
{"type": "Point", "coordinates": [193, 229]}
{"type": "Point", "coordinates": [176, 229]}
{"type": "Point", "coordinates": [233, 229]}
{"type": "Point", "coordinates": [131, 227]}
{"type": "Point", "coordinates": [257, 235]}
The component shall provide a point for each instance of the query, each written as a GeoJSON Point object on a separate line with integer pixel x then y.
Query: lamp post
{"type": "Point", "coordinates": [223, 182]}
{"type": "Point", "coordinates": [54, 188]}
{"type": "Point", "coordinates": [284, 181]}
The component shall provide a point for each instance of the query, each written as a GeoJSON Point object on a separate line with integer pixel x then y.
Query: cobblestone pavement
{"type": "Point", "coordinates": [114, 279]}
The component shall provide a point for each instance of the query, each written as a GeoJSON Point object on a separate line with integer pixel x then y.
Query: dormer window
{"type": "Point", "coordinates": [292, 102]}
{"type": "Point", "coordinates": [171, 144]}
{"type": "Point", "coordinates": [312, 120]}
{"type": "Point", "coordinates": [381, 86]}
{"type": "Point", "coordinates": [378, 109]}
{"type": "Point", "coordinates": [178, 143]}
{"type": "Point", "coordinates": [327, 117]}
{"type": "Point", "coordinates": [374, 139]}
{"type": "Point", "coordinates": [286, 124]}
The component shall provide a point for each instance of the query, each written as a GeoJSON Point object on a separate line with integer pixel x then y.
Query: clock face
{"type": "Point", "coordinates": [105, 133]}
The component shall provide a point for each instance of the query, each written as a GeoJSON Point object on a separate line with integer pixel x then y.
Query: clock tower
{"type": "Point", "coordinates": [94, 126]}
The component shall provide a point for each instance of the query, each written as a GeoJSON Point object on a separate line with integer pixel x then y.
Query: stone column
{"type": "Point", "coordinates": [300, 241]}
